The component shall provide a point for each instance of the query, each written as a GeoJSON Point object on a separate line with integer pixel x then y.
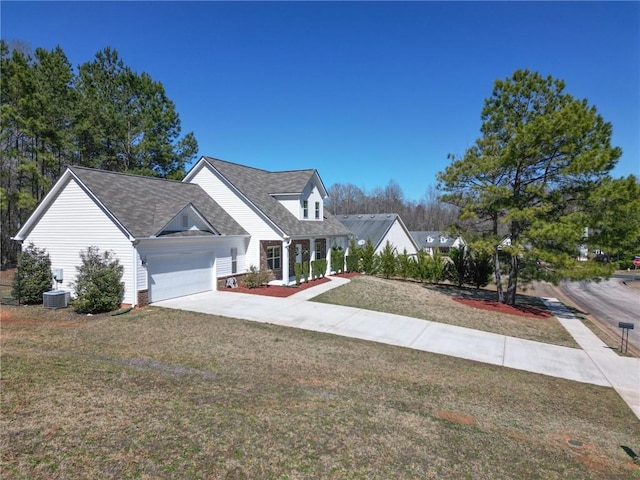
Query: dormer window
{"type": "Point", "coordinates": [443, 239]}
{"type": "Point", "coordinates": [429, 239]}
{"type": "Point", "coordinates": [317, 210]}
{"type": "Point", "coordinates": [305, 209]}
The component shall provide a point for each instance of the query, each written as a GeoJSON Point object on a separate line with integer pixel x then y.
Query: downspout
{"type": "Point", "coordinates": [135, 273]}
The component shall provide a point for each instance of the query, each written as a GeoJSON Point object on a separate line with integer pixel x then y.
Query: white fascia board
{"type": "Point", "coordinates": [195, 169]}
{"type": "Point", "coordinates": [323, 191]}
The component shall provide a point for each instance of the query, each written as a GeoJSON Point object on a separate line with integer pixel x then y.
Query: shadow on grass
{"type": "Point", "coordinates": [629, 451]}
{"type": "Point", "coordinates": [529, 304]}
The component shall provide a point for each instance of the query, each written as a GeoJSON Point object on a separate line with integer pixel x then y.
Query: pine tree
{"type": "Point", "coordinates": [541, 153]}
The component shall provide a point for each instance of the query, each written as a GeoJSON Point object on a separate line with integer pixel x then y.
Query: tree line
{"type": "Point", "coordinates": [429, 213]}
{"type": "Point", "coordinates": [102, 115]}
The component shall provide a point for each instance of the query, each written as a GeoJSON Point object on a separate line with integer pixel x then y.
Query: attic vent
{"type": "Point", "coordinates": [388, 216]}
{"type": "Point", "coordinates": [373, 216]}
{"type": "Point", "coordinates": [359, 216]}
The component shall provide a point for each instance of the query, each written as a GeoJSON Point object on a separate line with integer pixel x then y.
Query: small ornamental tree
{"type": "Point", "coordinates": [458, 268]}
{"type": "Point", "coordinates": [387, 260]}
{"type": "Point", "coordinates": [369, 258]}
{"type": "Point", "coordinates": [480, 268]}
{"type": "Point", "coordinates": [405, 265]}
{"type": "Point", "coordinates": [33, 277]}
{"type": "Point", "coordinates": [99, 287]}
{"type": "Point", "coordinates": [436, 268]}
{"type": "Point", "coordinates": [337, 259]}
{"type": "Point", "coordinates": [420, 266]}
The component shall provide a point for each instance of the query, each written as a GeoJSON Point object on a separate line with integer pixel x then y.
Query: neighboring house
{"type": "Point", "coordinates": [437, 242]}
{"type": "Point", "coordinates": [380, 229]}
{"type": "Point", "coordinates": [282, 211]}
{"type": "Point", "coordinates": [171, 237]}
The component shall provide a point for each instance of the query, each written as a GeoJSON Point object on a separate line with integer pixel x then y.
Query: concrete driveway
{"type": "Point", "coordinates": [595, 364]}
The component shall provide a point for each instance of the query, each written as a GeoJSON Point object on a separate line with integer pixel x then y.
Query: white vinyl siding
{"type": "Point", "coordinates": [291, 203]}
{"type": "Point", "coordinates": [399, 238]}
{"type": "Point", "coordinates": [241, 211]}
{"type": "Point", "coordinates": [74, 222]}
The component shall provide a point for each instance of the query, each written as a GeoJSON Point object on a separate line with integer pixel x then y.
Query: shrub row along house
{"type": "Point", "coordinates": [178, 238]}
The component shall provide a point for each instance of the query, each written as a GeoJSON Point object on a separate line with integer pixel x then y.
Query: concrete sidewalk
{"type": "Point", "coordinates": [592, 364]}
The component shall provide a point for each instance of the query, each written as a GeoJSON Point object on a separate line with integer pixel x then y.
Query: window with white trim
{"type": "Point", "coordinates": [317, 210]}
{"type": "Point", "coordinates": [305, 209]}
{"type": "Point", "coordinates": [274, 257]}
{"type": "Point", "coordinates": [234, 260]}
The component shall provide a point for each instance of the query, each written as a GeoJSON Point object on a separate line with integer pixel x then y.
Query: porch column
{"type": "Point", "coordinates": [327, 254]}
{"type": "Point", "coordinates": [285, 262]}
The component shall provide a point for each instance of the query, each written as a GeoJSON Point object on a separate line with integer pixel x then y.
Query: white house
{"type": "Point", "coordinates": [380, 229]}
{"type": "Point", "coordinates": [283, 212]}
{"type": "Point", "coordinates": [171, 237]}
{"type": "Point", "coordinates": [437, 242]}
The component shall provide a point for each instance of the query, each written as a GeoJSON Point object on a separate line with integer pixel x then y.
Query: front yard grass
{"type": "Point", "coordinates": [435, 303]}
{"type": "Point", "coordinates": [168, 394]}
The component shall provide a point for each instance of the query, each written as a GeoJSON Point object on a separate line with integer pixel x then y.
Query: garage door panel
{"type": "Point", "coordinates": [178, 275]}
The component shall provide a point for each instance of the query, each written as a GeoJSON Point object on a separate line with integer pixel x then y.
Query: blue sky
{"type": "Point", "coordinates": [365, 92]}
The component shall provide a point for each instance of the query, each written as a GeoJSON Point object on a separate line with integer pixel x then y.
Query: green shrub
{"type": "Point", "coordinates": [420, 267]}
{"type": "Point", "coordinates": [353, 259]}
{"type": "Point", "coordinates": [480, 269]}
{"type": "Point", "coordinates": [33, 277]}
{"type": "Point", "coordinates": [297, 268]}
{"type": "Point", "coordinates": [458, 267]}
{"type": "Point", "coordinates": [99, 287]}
{"type": "Point", "coordinates": [436, 268]}
{"type": "Point", "coordinates": [405, 265]}
{"type": "Point", "coordinates": [387, 260]}
{"type": "Point", "coordinates": [337, 259]}
{"type": "Point", "coordinates": [305, 271]}
{"type": "Point", "coordinates": [369, 264]}
{"type": "Point", "coordinates": [352, 262]}
{"type": "Point", "coordinates": [321, 265]}
{"type": "Point", "coordinates": [255, 278]}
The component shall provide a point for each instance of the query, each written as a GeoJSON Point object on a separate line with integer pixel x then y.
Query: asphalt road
{"type": "Point", "coordinates": [610, 301]}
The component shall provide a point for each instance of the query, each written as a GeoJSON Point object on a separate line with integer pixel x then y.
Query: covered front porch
{"type": "Point", "coordinates": [280, 257]}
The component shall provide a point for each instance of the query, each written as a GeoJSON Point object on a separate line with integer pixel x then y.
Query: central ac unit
{"type": "Point", "coordinates": [56, 299]}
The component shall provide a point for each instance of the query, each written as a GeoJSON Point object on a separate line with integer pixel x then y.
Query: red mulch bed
{"type": "Point", "coordinates": [494, 306]}
{"type": "Point", "coordinates": [282, 292]}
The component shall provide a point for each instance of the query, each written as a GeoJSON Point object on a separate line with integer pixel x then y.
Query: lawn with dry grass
{"type": "Point", "coordinates": [167, 394]}
{"type": "Point", "coordinates": [436, 303]}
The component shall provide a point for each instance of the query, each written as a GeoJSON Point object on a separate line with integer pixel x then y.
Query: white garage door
{"type": "Point", "coordinates": [178, 275]}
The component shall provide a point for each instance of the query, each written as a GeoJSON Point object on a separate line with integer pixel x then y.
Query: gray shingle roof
{"type": "Point", "coordinates": [144, 205]}
{"type": "Point", "coordinates": [259, 186]}
{"type": "Point", "coordinates": [369, 227]}
{"type": "Point", "coordinates": [422, 239]}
